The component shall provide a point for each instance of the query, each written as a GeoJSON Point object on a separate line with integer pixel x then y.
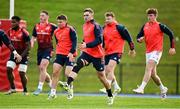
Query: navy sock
{"type": "Point", "coordinates": [109, 93]}
{"type": "Point", "coordinates": [70, 80]}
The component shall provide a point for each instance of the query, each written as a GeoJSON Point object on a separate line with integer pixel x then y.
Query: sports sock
{"type": "Point", "coordinates": [40, 86]}
{"type": "Point", "coordinates": [109, 92]}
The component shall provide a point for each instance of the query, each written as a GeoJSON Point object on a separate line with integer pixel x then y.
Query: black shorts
{"type": "Point", "coordinates": [63, 60]}
{"type": "Point", "coordinates": [98, 63]}
{"type": "Point", "coordinates": [115, 56]}
{"type": "Point", "coordinates": [23, 61]}
{"type": "Point", "coordinates": [46, 54]}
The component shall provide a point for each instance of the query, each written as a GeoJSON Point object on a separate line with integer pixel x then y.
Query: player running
{"type": "Point", "coordinates": [43, 33]}
{"type": "Point", "coordinates": [65, 51]}
{"type": "Point", "coordinates": [114, 36]}
{"type": "Point", "coordinates": [92, 52]}
{"type": "Point", "coordinates": [21, 42]}
{"type": "Point", "coordinates": [152, 34]}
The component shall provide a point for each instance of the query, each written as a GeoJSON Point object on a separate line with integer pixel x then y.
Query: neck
{"type": "Point", "coordinates": [153, 21]}
{"type": "Point", "coordinates": [43, 23]}
{"type": "Point", "coordinates": [15, 28]}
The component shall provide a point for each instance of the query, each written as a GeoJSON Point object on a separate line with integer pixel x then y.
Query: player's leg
{"type": "Point", "coordinates": [158, 82]}
{"type": "Point", "coordinates": [68, 69]}
{"type": "Point", "coordinates": [10, 67]}
{"type": "Point", "coordinates": [55, 77]}
{"type": "Point", "coordinates": [22, 72]}
{"type": "Point", "coordinates": [110, 63]}
{"type": "Point", "coordinates": [43, 62]}
{"type": "Point", "coordinates": [43, 71]}
{"type": "Point", "coordinates": [81, 62]}
{"type": "Point", "coordinates": [99, 66]}
{"type": "Point", "coordinates": [152, 59]}
{"type": "Point", "coordinates": [110, 75]}
{"type": "Point", "coordinates": [42, 68]}
{"type": "Point", "coordinates": [149, 67]}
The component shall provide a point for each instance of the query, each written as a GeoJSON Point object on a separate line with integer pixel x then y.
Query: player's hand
{"type": "Point", "coordinates": [132, 53]}
{"type": "Point", "coordinates": [82, 46]}
{"type": "Point", "coordinates": [140, 40]}
{"type": "Point", "coordinates": [18, 57]}
{"type": "Point", "coordinates": [32, 42]}
{"type": "Point", "coordinates": [71, 57]}
{"type": "Point", "coordinates": [172, 51]}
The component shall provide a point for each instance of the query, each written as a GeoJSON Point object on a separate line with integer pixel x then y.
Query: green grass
{"type": "Point", "coordinates": [131, 13]}
{"type": "Point", "coordinates": [84, 102]}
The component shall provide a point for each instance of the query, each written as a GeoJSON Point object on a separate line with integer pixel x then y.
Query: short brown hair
{"type": "Point", "coordinates": [62, 17]}
{"type": "Point", "coordinates": [44, 11]}
{"type": "Point", "coordinates": [152, 11]}
{"type": "Point", "coordinates": [109, 14]}
{"type": "Point", "coordinates": [88, 10]}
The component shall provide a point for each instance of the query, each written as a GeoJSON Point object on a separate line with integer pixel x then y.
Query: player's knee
{"type": "Point", "coordinates": [22, 68]}
{"type": "Point", "coordinates": [79, 64]}
{"type": "Point", "coordinates": [108, 69]}
{"type": "Point", "coordinates": [101, 74]}
{"type": "Point", "coordinates": [54, 75]}
{"type": "Point", "coordinates": [42, 67]}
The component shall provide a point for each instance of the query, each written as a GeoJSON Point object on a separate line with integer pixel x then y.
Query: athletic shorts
{"type": "Point", "coordinates": [98, 63]}
{"type": "Point", "coordinates": [154, 55]}
{"type": "Point", "coordinates": [115, 56]}
{"type": "Point", "coordinates": [63, 60]}
{"type": "Point", "coordinates": [22, 65]}
{"type": "Point", "coordinates": [46, 54]}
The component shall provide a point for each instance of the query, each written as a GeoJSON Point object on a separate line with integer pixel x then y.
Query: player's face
{"type": "Point", "coordinates": [43, 17]}
{"type": "Point", "coordinates": [88, 16]}
{"type": "Point", "coordinates": [14, 23]}
{"type": "Point", "coordinates": [151, 17]}
{"type": "Point", "coordinates": [109, 19]}
{"type": "Point", "coordinates": [61, 23]}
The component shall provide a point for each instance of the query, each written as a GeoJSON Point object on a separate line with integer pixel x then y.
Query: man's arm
{"type": "Point", "coordinates": [125, 34]}
{"type": "Point", "coordinates": [140, 36]}
{"type": "Point", "coordinates": [33, 38]}
{"type": "Point", "coordinates": [6, 40]}
{"type": "Point", "coordinates": [98, 37]}
{"type": "Point", "coordinates": [26, 38]}
{"type": "Point", "coordinates": [73, 37]}
{"type": "Point", "coordinates": [167, 31]}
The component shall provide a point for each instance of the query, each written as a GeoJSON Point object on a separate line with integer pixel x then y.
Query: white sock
{"type": "Point", "coordinates": [115, 84]}
{"type": "Point", "coordinates": [40, 86]}
{"type": "Point", "coordinates": [53, 91]}
{"type": "Point", "coordinates": [161, 86]}
{"type": "Point", "coordinates": [143, 85]}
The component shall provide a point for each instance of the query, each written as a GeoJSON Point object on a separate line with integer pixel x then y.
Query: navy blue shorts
{"type": "Point", "coordinates": [46, 54]}
{"type": "Point", "coordinates": [63, 60]}
{"type": "Point", "coordinates": [23, 61]}
{"type": "Point", "coordinates": [98, 63]}
{"type": "Point", "coordinates": [115, 56]}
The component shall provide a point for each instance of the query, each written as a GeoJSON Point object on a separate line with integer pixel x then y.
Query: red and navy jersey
{"type": "Point", "coordinates": [19, 38]}
{"type": "Point", "coordinates": [153, 34]}
{"type": "Point", "coordinates": [66, 40]}
{"type": "Point", "coordinates": [44, 35]}
{"type": "Point", "coordinates": [114, 36]}
{"type": "Point", "coordinates": [92, 36]}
